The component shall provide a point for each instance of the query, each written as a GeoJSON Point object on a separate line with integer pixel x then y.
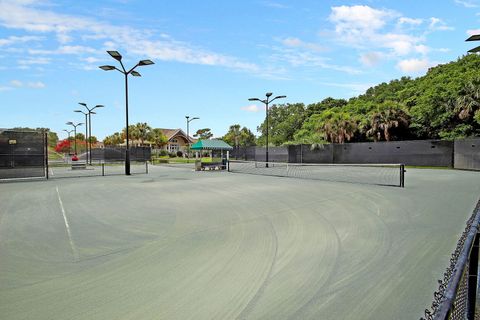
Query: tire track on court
{"type": "Point", "coordinates": [253, 302]}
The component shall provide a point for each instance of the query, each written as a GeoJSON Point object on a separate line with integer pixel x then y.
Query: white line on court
{"type": "Point", "coordinates": [67, 226]}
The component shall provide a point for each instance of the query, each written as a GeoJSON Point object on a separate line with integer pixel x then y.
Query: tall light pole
{"type": "Point", "coordinates": [117, 56]}
{"type": "Point", "coordinates": [75, 132]}
{"type": "Point", "coordinates": [188, 134]}
{"type": "Point", "coordinates": [69, 147]}
{"type": "Point", "coordinates": [90, 112]}
{"type": "Point", "coordinates": [86, 131]}
{"type": "Point", "coordinates": [266, 102]}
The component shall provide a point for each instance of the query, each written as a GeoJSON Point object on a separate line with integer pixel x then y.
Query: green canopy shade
{"type": "Point", "coordinates": [211, 145]}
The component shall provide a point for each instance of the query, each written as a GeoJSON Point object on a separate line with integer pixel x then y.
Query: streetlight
{"type": "Point", "coordinates": [75, 132]}
{"type": "Point", "coordinates": [69, 148]}
{"type": "Point", "coordinates": [90, 112]}
{"type": "Point", "coordinates": [86, 130]}
{"type": "Point", "coordinates": [188, 134]}
{"type": "Point", "coordinates": [266, 102]}
{"type": "Point", "coordinates": [474, 37]}
{"type": "Point", "coordinates": [117, 56]}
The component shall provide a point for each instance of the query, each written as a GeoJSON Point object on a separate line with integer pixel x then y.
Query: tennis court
{"type": "Point", "coordinates": [179, 244]}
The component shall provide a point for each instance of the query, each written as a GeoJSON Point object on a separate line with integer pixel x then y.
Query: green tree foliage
{"type": "Point", "coordinates": [239, 137]}
{"type": "Point", "coordinates": [143, 132]}
{"type": "Point", "coordinates": [114, 139]}
{"type": "Point", "coordinates": [283, 121]}
{"type": "Point", "coordinates": [203, 134]}
{"type": "Point", "coordinates": [445, 104]}
{"type": "Point", "coordinates": [80, 136]}
{"type": "Point", "coordinates": [158, 138]}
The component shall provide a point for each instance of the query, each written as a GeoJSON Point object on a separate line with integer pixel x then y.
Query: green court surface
{"type": "Point", "coordinates": [179, 244]}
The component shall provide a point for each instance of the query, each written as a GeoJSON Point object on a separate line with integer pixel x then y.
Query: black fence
{"type": "Point", "coordinates": [22, 154]}
{"type": "Point", "coordinates": [459, 154]}
{"type": "Point", "coordinates": [467, 154]}
{"type": "Point", "coordinates": [118, 154]}
{"type": "Point", "coordinates": [457, 292]}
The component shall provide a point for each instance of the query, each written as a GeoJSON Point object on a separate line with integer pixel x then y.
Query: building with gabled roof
{"type": "Point", "coordinates": [177, 140]}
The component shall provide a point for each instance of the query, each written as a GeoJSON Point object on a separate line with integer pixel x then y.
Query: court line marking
{"type": "Point", "coordinates": [67, 227]}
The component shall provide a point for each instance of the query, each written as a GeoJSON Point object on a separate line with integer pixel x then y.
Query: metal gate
{"type": "Point", "coordinates": [23, 154]}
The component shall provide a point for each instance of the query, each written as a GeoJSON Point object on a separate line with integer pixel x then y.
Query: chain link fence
{"type": "Point", "coordinates": [457, 291]}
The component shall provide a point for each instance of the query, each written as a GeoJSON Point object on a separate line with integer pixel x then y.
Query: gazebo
{"type": "Point", "coordinates": [212, 145]}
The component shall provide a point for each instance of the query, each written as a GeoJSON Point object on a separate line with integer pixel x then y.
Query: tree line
{"type": "Point", "coordinates": [443, 104]}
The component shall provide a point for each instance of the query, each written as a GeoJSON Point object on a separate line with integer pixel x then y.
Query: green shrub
{"type": "Point", "coordinates": [163, 153]}
{"type": "Point", "coordinates": [179, 153]}
{"type": "Point", "coordinates": [172, 154]}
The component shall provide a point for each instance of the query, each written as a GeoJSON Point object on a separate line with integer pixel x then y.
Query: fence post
{"type": "Point", "coordinates": [45, 139]}
{"type": "Point", "coordinates": [402, 175]}
{"type": "Point", "coordinates": [472, 279]}
{"type": "Point", "coordinates": [103, 169]}
{"type": "Point", "coordinates": [146, 167]}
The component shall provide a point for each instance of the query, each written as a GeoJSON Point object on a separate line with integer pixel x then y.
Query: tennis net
{"type": "Point", "coordinates": [379, 174]}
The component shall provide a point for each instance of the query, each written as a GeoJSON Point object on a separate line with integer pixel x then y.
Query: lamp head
{"type": "Point", "coordinates": [107, 68]}
{"type": "Point", "coordinates": [115, 55]}
{"type": "Point", "coordinates": [135, 74]}
{"type": "Point", "coordinates": [146, 62]}
{"type": "Point", "coordinates": [253, 99]}
{"type": "Point", "coordinates": [269, 94]}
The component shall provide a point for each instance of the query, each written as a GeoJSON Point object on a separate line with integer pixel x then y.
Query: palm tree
{"type": "Point", "coordinates": [339, 128]}
{"type": "Point", "coordinates": [132, 133]}
{"type": "Point", "coordinates": [469, 100]}
{"type": "Point", "coordinates": [386, 118]}
{"type": "Point", "coordinates": [143, 132]}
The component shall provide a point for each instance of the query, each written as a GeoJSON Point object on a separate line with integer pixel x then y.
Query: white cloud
{"type": "Point", "coordinates": [364, 27]}
{"type": "Point", "coordinates": [36, 85]}
{"type": "Point", "coordinates": [252, 108]}
{"type": "Point", "coordinates": [276, 5]}
{"type": "Point", "coordinates": [26, 16]}
{"type": "Point", "coordinates": [359, 19]}
{"type": "Point", "coordinates": [14, 39]}
{"type": "Point", "coordinates": [65, 50]}
{"type": "Point", "coordinates": [437, 24]}
{"type": "Point", "coordinates": [16, 83]}
{"type": "Point", "coordinates": [414, 65]}
{"type": "Point", "coordinates": [296, 42]}
{"type": "Point", "coordinates": [371, 59]}
{"type": "Point", "coordinates": [21, 84]}
{"type": "Point", "coordinates": [467, 4]}
{"type": "Point", "coordinates": [30, 61]}
{"type": "Point", "coordinates": [308, 59]}
{"type": "Point", "coordinates": [410, 21]}
{"type": "Point", "coordinates": [422, 49]}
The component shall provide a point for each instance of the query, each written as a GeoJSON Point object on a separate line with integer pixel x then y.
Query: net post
{"type": "Point", "coordinates": [228, 165]}
{"type": "Point", "coordinates": [472, 279]}
{"type": "Point", "coordinates": [45, 139]}
{"type": "Point", "coordinates": [103, 169]}
{"type": "Point", "coordinates": [402, 175]}
{"type": "Point", "coordinates": [146, 167]}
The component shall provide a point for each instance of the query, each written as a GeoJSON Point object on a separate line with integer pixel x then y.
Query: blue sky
{"type": "Point", "coordinates": [211, 56]}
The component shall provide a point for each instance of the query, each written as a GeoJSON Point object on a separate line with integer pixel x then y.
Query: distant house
{"type": "Point", "coordinates": [177, 140]}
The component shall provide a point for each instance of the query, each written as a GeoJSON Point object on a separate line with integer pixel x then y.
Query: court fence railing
{"type": "Point", "coordinates": [457, 291]}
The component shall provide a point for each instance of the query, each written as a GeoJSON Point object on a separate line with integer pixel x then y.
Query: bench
{"type": "Point", "coordinates": [212, 166]}
{"type": "Point", "coordinates": [79, 165]}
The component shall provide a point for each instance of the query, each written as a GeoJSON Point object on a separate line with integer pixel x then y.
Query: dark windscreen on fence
{"type": "Point", "coordinates": [22, 154]}
{"type": "Point", "coordinates": [118, 154]}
